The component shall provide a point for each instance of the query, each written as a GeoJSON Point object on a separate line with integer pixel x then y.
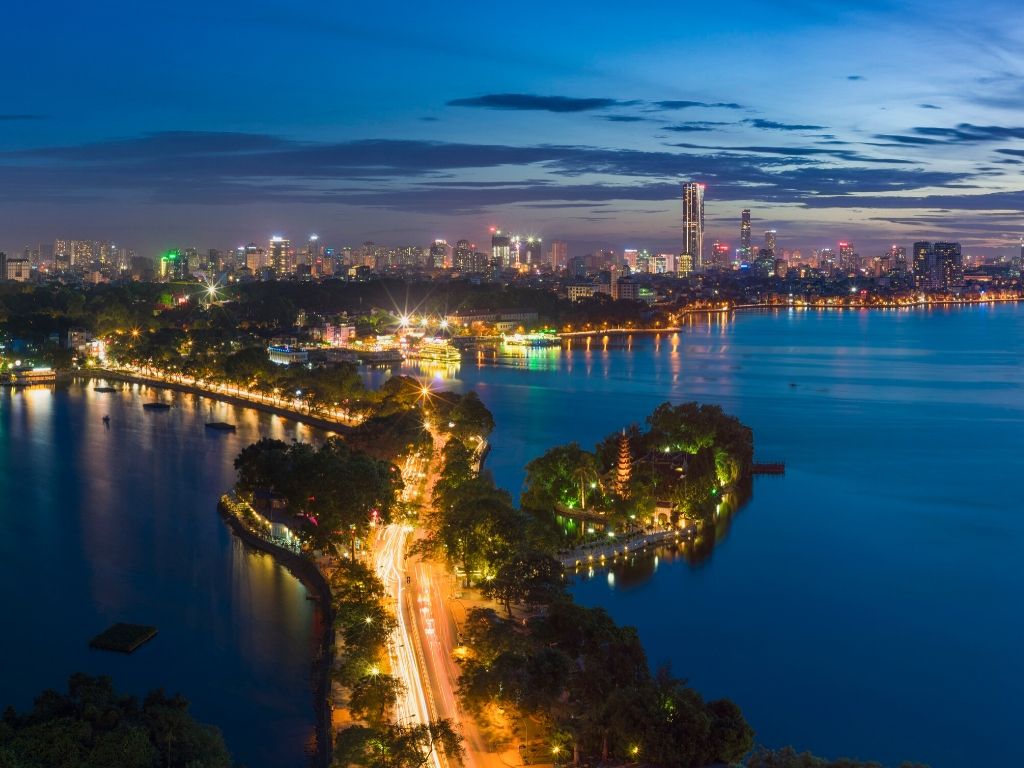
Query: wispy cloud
{"type": "Point", "coordinates": [681, 104]}
{"type": "Point", "coordinates": [534, 102]}
{"type": "Point", "coordinates": [771, 125]}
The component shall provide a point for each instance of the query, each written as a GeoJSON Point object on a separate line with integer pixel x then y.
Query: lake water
{"type": "Point", "coordinates": [867, 604]}
{"type": "Point", "coordinates": [101, 525]}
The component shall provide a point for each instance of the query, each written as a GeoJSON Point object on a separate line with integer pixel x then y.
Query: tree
{"type": "Point", "coordinates": [373, 696]}
{"type": "Point", "coordinates": [473, 421]}
{"type": "Point", "coordinates": [92, 725]}
{"type": "Point", "coordinates": [395, 746]}
{"type": "Point", "coordinates": [533, 578]}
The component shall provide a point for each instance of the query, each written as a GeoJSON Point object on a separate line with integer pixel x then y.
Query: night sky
{"type": "Point", "coordinates": [166, 124]}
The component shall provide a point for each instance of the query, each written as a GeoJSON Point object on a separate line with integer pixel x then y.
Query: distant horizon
{"type": "Point", "coordinates": [855, 121]}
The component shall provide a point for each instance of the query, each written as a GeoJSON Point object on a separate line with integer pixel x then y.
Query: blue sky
{"type": "Point", "coordinates": [164, 124]}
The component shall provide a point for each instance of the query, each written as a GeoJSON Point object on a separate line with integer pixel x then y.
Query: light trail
{"type": "Point", "coordinates": [411, 707]}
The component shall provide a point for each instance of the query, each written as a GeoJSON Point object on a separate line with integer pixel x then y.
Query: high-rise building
{"type": "Point", "coordinates": [922, 260]}
{"type": "Point", "coordinates": [846, 255]}
{"type": "Point", "coordinates": [439, 254]}
{"type": "Point", "coordinates": [745, 234]}
{"type": "Point", "coordinates": [692, 255]}
{"type": "Point", "coordinates": [948, 266]}
{"type": "Point", "coordinates": [719, 254]}
{"type": "Point", "coordinates": [526, 251]}
{"type": "Point", "coordinates": [462, 257]}
{"type": "Point", "coordinates": [501, 249]}
{"type": "Point", "coordinates": [312, 255]}
{"type": "Point", "coordinates": [174, 265]}
{"type": "Point", "coordinates": [770, 241]}
{"type": "Point", "coordinates": [558, 254]}
{"type": "Point", "coordinates": [278, 254]}
{"type": "Point", "coordinates": [898, 259]}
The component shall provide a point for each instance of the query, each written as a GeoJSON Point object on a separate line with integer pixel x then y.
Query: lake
{"type": "Point", "coordinates": [120, 524]}
{"type": "Point", "coordinates": [867, 604]}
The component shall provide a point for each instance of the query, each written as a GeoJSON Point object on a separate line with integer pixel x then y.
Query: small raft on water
{"type": "Point", "coordinates": [223, 426]}
{"type": "Point", "coordinates": [123, 638]}
{"type": "Point", "coordinates": [156, 407]}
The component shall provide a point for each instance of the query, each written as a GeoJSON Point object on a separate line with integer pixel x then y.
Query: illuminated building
{"type": "Point", "coordinates": [629, 255]}
{"type": "Point", "coordinates": [284, 355]}
{"type": "Point", "coordinates": [663, 263]}
{"type": "Point", "coordinates": [526, 251]}
{"type": "Point", "coordinates": [278, 254]}
{"type": "Point", "coordinates": [501, 249]}
{"type": "Point", "coordinates": [745, 234]}
{"type": "Point", "coordinates": [692, 256]}
{"type": "Point", "coordinates": [439, 254]}
{"type": "Point", "coordinates": [922, 260]}
{"type": "Point", "coordinates": [947, 266]}
{"type": "Point", "coordinates": [898, 259]}
{"type": "Point", "coordinates": [846, 255]}
{"type": "Point", "coordinates": [462, 257]}
{"type": "Point", "coordinates": [558, 254]}
{"type": "Point", "coordinates": [173, 265]}
{"type": "Point", "coordinates": [719, 254]}
{"type": "Point", "coordinates": [770, 241]}
{"type": "Point", "coordinates": [623, 467]}
{"type": "Point", "coordinates": [16, 270]}
{"type": "Point", "coordinates": [313, 251]}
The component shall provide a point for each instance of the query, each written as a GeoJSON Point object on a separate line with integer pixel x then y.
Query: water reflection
{"type": "Point", "coordinates": [118, 523]}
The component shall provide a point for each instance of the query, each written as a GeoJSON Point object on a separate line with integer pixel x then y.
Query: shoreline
{"type": "Point", "coordinates": [309, 574]}
{"type": "Point", "coordinates": [570, 335]}
{"type": "Point", "coordinates": [310, 420]}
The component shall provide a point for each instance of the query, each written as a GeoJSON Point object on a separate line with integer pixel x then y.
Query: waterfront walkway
{"type": "Point", "coordinates": [605, 552]}
{"type": "Point", "coordinates": [334, 421]}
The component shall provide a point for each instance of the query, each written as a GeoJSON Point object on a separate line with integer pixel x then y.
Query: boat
{"type": "Point", "coordinates": [222, 426]}
{"type": "Point", "coordinates": [27, 377]}
{"type": "Point", "coordinates": [104, 389]}
{"type": "Point", "coordinates": [435, 350]}
{"type": "Point", "coordinates": [106, 419]}
{"type": "Point", "coordinates": [156, 406]}
{"type": "Point", "coordinates": [532, 340]}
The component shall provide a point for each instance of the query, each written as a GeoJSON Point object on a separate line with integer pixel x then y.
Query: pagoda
{"type": "Point", "coordinates": [623, 467]}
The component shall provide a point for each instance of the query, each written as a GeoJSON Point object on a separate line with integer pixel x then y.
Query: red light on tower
{"type": "Point", "coordinates": [493, 230]}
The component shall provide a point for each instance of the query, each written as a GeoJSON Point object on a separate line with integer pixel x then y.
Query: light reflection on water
{"type": "Point", "coordinates": [120, 524]}
{"type": "Point", "coordinates": [860, 602]}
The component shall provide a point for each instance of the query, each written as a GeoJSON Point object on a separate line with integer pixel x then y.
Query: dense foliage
{"type": "Point", "coordinates": [689, 456]}
{"type": "Point", "coordinates": [92, 726]}
{"type": "Point", "coordinates": [336, 492]}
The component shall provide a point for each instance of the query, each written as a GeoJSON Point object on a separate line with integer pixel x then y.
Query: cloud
{"type": "Point", "coordinates": [855, 77]}
{"type": "Point", "coordinates": [210, 168]}
{"type": "Point", "coordinates": [895, 139]}
{"type": "Point", "coordinates": [695, 126]}
{"type": "Point", "coordinates": [624, 118]}
{"type": "Point", "coordinates": [677, 104]}
{"type": "Point", "coordinates": [971, 134]}
{"type": "Point", "coordinates": [770, 125]}
{"type": "Point", "coordinates": [929, 106]}
{"type": "Point", "coordinates": [533, 102]}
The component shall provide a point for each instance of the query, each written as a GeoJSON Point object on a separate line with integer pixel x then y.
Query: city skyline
{"type": "Point", "coordinates": [400, 142]}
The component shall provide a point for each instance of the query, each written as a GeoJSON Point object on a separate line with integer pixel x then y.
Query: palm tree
{"type": "Point", "coordinates": [584, 473]}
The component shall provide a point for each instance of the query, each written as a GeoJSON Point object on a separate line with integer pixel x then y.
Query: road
{"type": "Point", "coordinates": [422, 648]}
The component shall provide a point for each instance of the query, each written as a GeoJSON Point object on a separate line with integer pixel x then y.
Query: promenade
{"type": "Point", "coordinates": [330, 420]}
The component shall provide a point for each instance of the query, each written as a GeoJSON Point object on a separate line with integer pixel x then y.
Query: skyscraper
{"type": "Point", "coordinates": [559, 254]}
{"type": "Point", "coordinates": [501, 248]}
{"type": "Point", "coordinates": [745, 233]}
{"type": "Point", "coordinates": [846, 255]}
{"type": "Point", "coordinates": [438, 254]}
{"type": "Point", "coordinates": [278, 254]}
{"type": "Point", "coordinates": [693, 227]}
{"type": "Point", "coordinates": [922, 259]}
{"type": "Point", "coordinates": [312, 250]}
{"type": "Point", "coordinates": [948, 266]}
{"type": "Point", "coordinates": [770, 241]}
{"type": "Point", "coordinates": [719, 254]}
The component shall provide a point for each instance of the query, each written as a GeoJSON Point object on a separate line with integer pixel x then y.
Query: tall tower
{"type": "Point", "coordinates": [770, 241]}
{"type": "Point", "coordinates": [693, 227]}
{"type": "Point", "coordinates": [922, 258]}
{"type": "Point", "coordinates": [745, 232]}
{"type": "Point", "coordinates": [623, 467]}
